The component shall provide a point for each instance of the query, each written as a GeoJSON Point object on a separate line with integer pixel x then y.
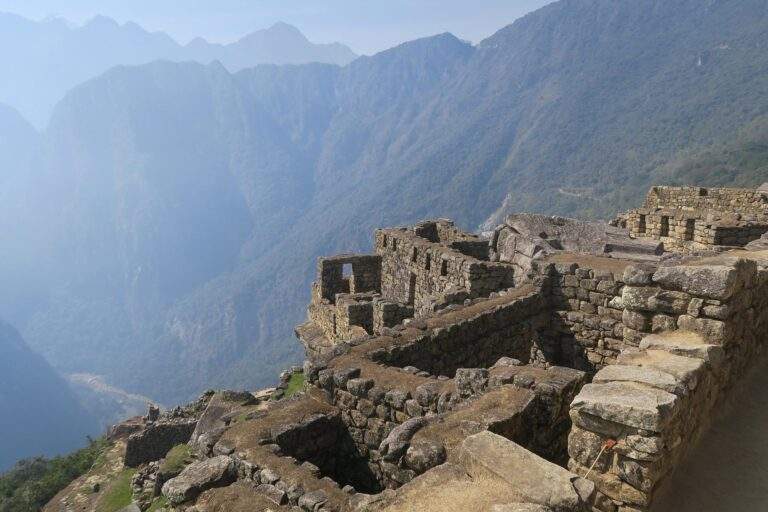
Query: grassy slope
{"type": "Point", "coordinates": [33, 482]}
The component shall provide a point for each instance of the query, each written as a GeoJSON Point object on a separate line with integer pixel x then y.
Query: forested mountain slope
{"type": "Point", "coordinates": [40, 414]}
{"type": "Point", "coordinates": [186, 204]}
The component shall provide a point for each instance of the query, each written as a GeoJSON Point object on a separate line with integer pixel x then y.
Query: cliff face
{"type": "Point", "coordinates": [41, 416]}
{"type": "Point", "coordinates": [186, 204]}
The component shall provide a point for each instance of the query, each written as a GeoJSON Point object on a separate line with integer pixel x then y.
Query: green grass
{"type": "Point", "coordinates": [295, 385]}
{"type": "Point", "coordinates": [179, 457]}
{"type": "Point", "coordinates": [118, 494]}
{"type": "Point", "coordinates": [158, 503]}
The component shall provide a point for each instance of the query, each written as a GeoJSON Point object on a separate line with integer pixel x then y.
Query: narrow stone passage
{"type": "Point", "coordinates": [728, 472]}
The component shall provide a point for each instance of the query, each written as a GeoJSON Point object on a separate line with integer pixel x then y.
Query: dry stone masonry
{"type": "Point", "coordinates": [692, 219]}
{"type": "Point", "coordinates": [552, 365]}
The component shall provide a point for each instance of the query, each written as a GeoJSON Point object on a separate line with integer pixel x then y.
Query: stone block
{"type": "Point", "coordinates": [710, 281]}
{"type": "Point", "coordinates": [621, 402]}
{"type": "Point", "coordinates": [528, 477]}
{"type": "Point", "coordinates": [643, 375]}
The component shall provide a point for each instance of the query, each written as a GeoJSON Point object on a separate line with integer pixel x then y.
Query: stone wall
{"type": "Point", "coordinates": [475, 341]}
{"type": "Point", "coordinates": [586, 329]}
{"type": "Point", "coordinates": [370, 412]}
{"type": "Point", "coordinates": [416, 270]}
{"type": "Point", "coordinates": [689, 231]}
{"type": "Point", "coordinates": [156, 440]}
{"type": "Point", "coordinates": [497, 333]}
{"type": "Point", "coordinates": [733, 200]}
{"type": "Point", "coordinates": [689, 219]}
{"type": "Point", "coordinates": [324, 441]}
{"type": "Point", "coordinates": [365, 275]}
{"type": "Point", "coordinates": [650, 408]}
{"type": "Point", "coordinates": [389, 314]}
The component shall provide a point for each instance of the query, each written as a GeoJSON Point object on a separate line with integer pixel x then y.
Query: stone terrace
{"type": "Point", "coordinates": [438, 379]}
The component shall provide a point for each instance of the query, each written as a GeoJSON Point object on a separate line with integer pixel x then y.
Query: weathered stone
{"type": "Point", "coordinates": [638, 298]}
{"type": "Point", "coordinates": [529, 478]}
{"type": "Point", "coordinates": [621, 402]}
{"type": "Point", "coordinates": [273, 494]}
{"type": "Point", "coordinates": [267, 476]}
{"type": "Point", "coordinates": [714, 331]}
{"type": "Point", "coordinates": [424, 455]}
{"type": "Point", "coordinates": [359, 387]}
{"type": "Point", "coordinates": [312, 501]}
{"type": "Point", "coordinates": [426, 394]}
{"type": "Point", "coordinates": [711, 281]}
{"type": "Point", "coordinates": [341, 377]}
{"type": "Point", "coordinates": [642, 375]}
{"type": "Point", "coordinates": [470, 381]}
{"type": "Point", "coordinates": [199, 476]}
{"type": "Point", "coordinates": [396, 398]}
{"type": "Point", "coordinates": [638, 275]}
{"type": "Point", "coordinates": [636, 320]}
{"type": "Point", "coordinates": [685, 344]}
{"type": "Point", "coordinates": [395, 444]}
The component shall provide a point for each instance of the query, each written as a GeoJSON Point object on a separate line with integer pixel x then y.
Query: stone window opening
{"type": "Point", "coordinates": [346, 271]}
{"type": "Point", "coordinates": [444, 268]}
{"type": "Point", "coordinates": [428, 264]}
{"type": "Point", "coordinates": [412, 289]}
{"type": "Point", "coordinates": [385, 240]}
{"type": "Point", "coordinates": [394, 244]}
{"type": "Point", "coordinates": [641, 225]}
{"type": "Point", "coordinates": [664, 225]}
{"type": "Point", "coordinates": [690, 226]}
{"type": "Point", "coordinates": [414, 255]}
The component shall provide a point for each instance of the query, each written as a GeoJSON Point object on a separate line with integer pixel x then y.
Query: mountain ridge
{"type": "Point", "coordinates": [46, 51]}
{"type": "Point", "coordinates": [228, 185]}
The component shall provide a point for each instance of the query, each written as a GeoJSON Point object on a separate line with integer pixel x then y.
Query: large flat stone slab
{"type": "Point", "coordinates": [529, 478]}
{"type": "Point", "coordinates": [627, 403]}
{"type": "Point", "coordinates": [643, 375]}
{"type": "Point", "coordinates": [198, 477]}
{"type": "Point", "coordinates": [686, 344]}
{"type": "Point", "coordinates": [686, 370]}
{"type": "Point", "coordinates": [711, 281]}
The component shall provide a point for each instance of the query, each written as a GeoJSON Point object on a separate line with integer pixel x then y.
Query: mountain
{"type": "Point", "coordinates": [50, 57]}
{"type": "Point", "coordinates": [185, 204]}
{"type": "Point", "coordinates": [40, 414]}
{"type": "Point", "coordinates": [22, 285]}
{"type": "Point", "coordinates": [279, 44]}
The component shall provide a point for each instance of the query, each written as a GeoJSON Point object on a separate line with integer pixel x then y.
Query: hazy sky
{"type": "Point", "coordinates": [366, 25]}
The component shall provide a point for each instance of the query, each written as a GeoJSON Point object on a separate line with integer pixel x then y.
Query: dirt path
{"type": "Point", "coordinates": [729, 470]}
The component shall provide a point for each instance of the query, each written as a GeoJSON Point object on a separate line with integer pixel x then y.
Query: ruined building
{"type": "Point", "coordinates": [551, 365]}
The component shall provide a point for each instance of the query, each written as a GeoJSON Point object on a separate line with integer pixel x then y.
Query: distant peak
{"type": "Point", "coordinates": [283, 26]}
{"type": "Point", "coordinates": [278, 30]}
{"type": "Point", "coordinates": [101, 21]}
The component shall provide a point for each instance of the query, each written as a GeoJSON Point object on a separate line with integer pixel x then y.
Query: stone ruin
{"type": "Point", "coordinates": [553, 365]}
{"type": "Point", "coordinates": [692, 219]}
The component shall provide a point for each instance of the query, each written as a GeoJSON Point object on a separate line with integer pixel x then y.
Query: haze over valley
{"type": "Point", "coordinates": [162, 204]}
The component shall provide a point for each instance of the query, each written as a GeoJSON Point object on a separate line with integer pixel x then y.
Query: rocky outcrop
{"type": "Point", "coordinates": [199, 476]}
{"type": "Point", "coordinates": [215, 419]}
{"type": "Point", "coordinates": [526, 237]}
